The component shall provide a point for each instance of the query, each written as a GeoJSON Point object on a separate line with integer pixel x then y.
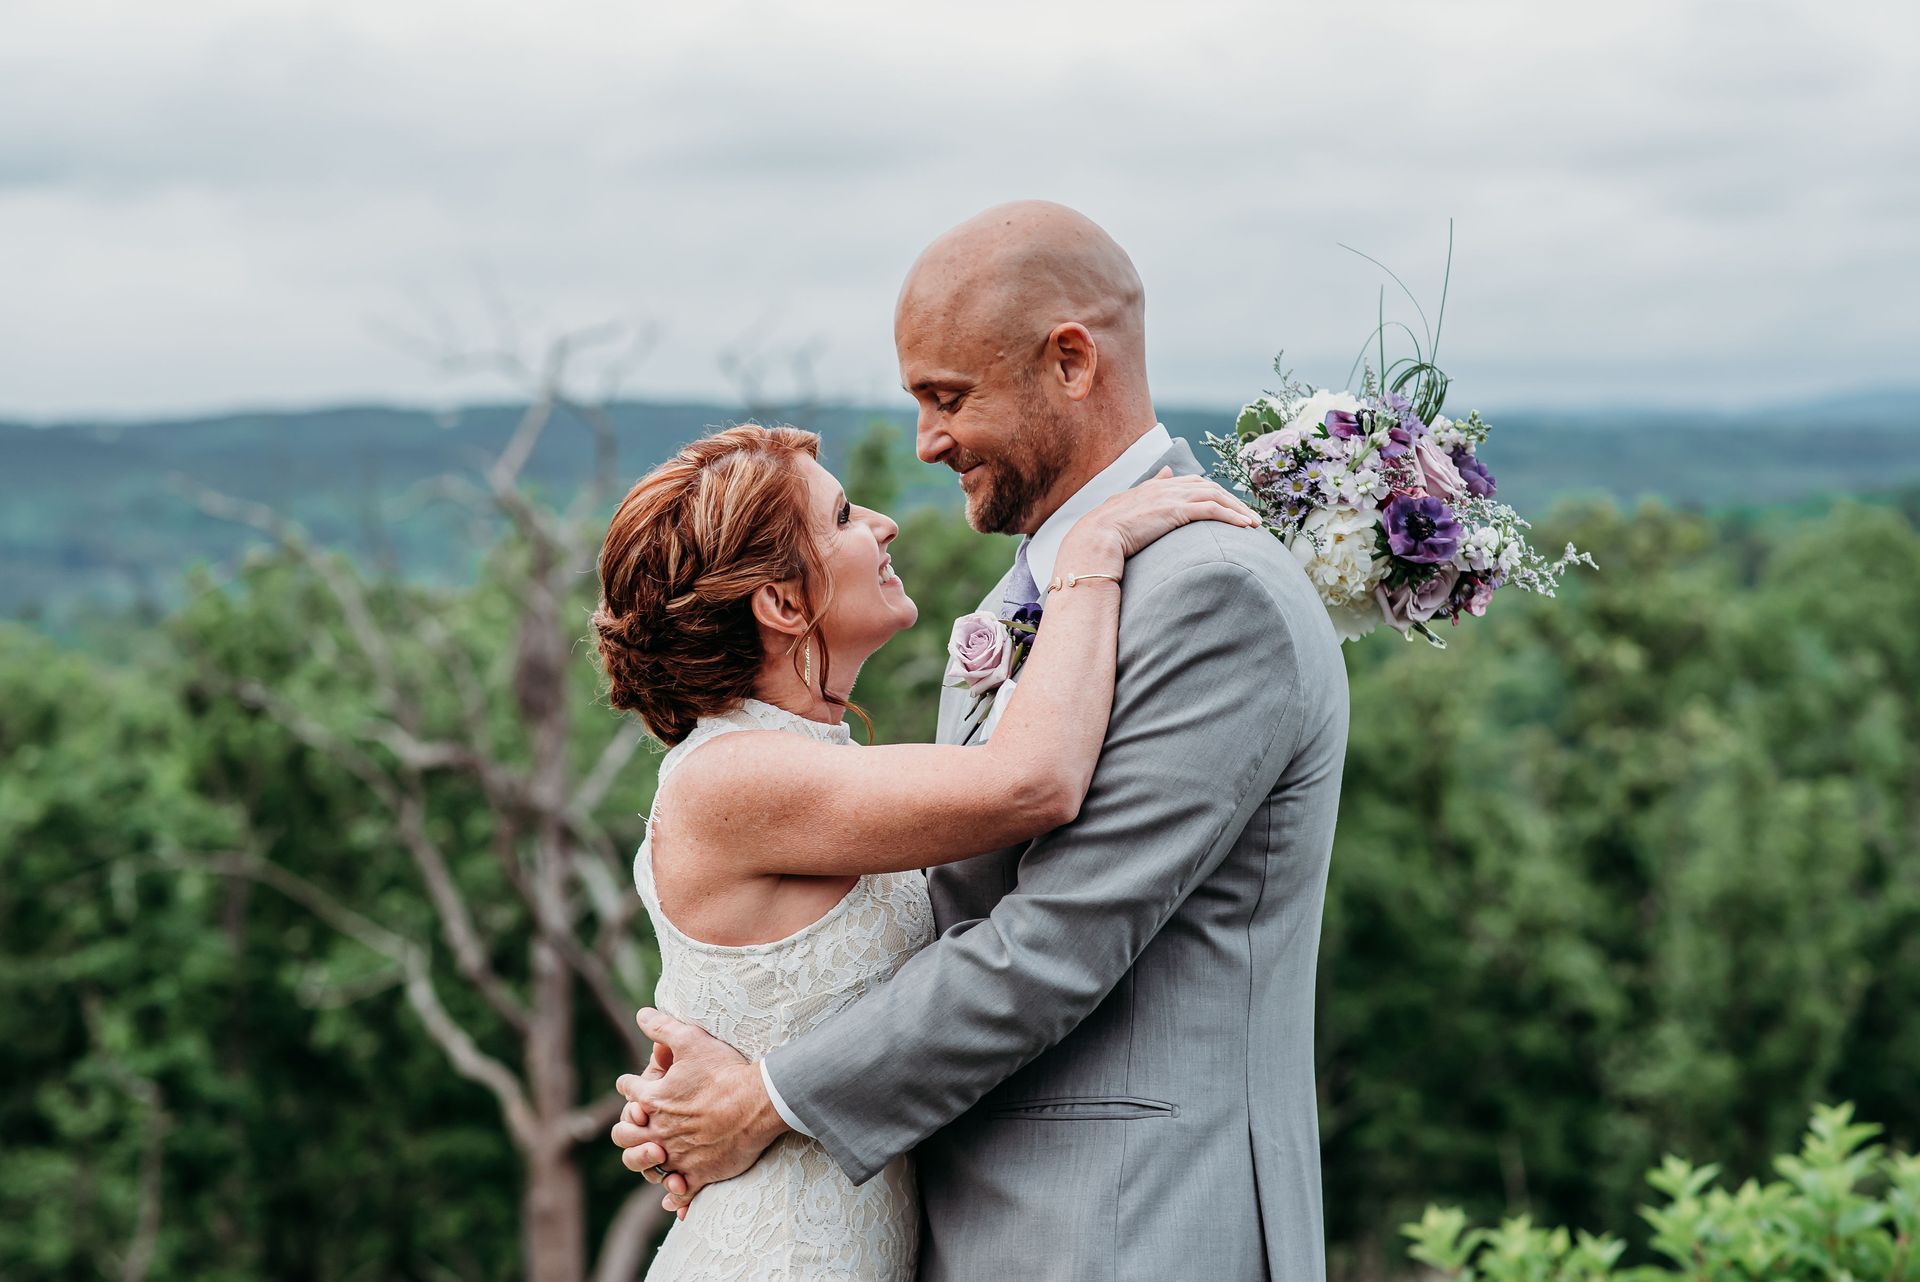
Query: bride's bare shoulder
{"type": "Point", "coordinates": [743, 769]}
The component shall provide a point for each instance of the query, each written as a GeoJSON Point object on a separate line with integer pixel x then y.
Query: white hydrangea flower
{"type": "Point", "coordinates": [1335, 546]}
{"type": "Point", "coordinates": [1355, 619]}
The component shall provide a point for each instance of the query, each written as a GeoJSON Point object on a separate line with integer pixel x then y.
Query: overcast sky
{"type": "Point", "coordinates": [209, 204]}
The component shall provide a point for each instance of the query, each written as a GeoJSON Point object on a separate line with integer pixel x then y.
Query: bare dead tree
{"type": "Point", "coordinates": [752, 364]}
{"type": "Point", "coordinates": [560, 863]}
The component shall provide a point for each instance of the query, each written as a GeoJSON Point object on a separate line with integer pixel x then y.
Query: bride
{"type": "Point", "coordinates": [742, 591]}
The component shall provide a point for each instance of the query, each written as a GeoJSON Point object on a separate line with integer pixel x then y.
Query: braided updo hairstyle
{"type": "Point", "coordinates": [684, 554]}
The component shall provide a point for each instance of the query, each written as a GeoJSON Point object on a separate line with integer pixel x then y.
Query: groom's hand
{"type": "Point", "coordinates": [701, 1110]}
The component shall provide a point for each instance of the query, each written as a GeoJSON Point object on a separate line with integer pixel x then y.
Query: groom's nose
{"type": "Point", "coordinates": [930, 439]}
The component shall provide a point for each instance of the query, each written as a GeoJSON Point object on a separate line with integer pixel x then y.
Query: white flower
{"type": "Point", "coordinates": [1335, 546]}
{"type": "Point", "coordinates": [1444, 434]}
{"type": "Point", "coordinates": [1481, 548]}
{"type": "Point", "coordinates": [1370, 483]}
{"type": "Point", "coordinates": [1313, 411]}
{"type": "Point", "coordinates": [1356, 619]}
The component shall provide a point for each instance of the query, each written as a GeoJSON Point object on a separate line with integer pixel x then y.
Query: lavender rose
{"type": "Point", "coordinates": [1437, 471]}
{"type": "Point", "coordinates": [1412, 603]}
{"type": "Point", "coordinates": [979, 653]}
{"type": "Point", "coordinates": [1265, 448]}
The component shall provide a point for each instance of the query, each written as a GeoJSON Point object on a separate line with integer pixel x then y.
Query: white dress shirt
{"type": "Point", "coordinates": [1043, 549]}
{"type": "Point", "coordinates": [1117, 477]}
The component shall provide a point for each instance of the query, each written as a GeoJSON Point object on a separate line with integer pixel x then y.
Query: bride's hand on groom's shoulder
{"type": "Point", "coordinates": [1131, 520]}
{"type": "Point", "coordinates": [699, 1110]}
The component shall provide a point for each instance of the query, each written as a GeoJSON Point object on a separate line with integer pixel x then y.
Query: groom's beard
{"type": "Point", "coordinates": [1020, 477]}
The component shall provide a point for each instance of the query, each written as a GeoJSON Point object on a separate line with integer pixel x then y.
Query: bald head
{"type": "Point", "coordinates": [1022, 334]}
{"type": "Point", "coordinates": [1016, 271]}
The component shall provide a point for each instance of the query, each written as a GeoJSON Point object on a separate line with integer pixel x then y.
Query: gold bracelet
{"type": "Point", "coordinates": [1071, 579]}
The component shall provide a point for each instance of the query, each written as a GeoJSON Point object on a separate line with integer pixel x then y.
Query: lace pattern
{"type": "Point", "coordinates": [793, 1217]}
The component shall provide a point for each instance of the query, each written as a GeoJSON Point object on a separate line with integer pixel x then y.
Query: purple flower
{"type": "Point", "coordinates": [1344, 424]}
{"type": "Point", "coordinates": [1399, 441]}
{"type": "Point", "coordinates": [1421, 530]}
{"type": "Point", "coordinates": [1474, 473]}
{"type": "Point", "coordinates": [1396, 402]}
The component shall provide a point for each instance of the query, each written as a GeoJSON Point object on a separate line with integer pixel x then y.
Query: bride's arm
{"type": "Point", "coordinates": [775, 803]}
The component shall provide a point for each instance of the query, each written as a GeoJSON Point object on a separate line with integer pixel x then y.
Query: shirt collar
{"type": "Point", "coordinates": [1115, 478]}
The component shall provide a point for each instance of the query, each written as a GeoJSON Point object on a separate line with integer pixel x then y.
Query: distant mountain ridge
{"type": "Point", "coordinates": [90, 518]}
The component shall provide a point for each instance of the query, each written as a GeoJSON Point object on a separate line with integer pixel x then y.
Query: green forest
{"type": "Point", "coordinates": [318, 948]}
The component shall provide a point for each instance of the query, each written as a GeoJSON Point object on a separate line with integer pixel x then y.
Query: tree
{"type": "Point", "coordinates": [471, 761]}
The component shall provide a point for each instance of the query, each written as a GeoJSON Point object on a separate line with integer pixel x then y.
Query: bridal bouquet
{"type": "Point", "coordinates": [1385, 502]}
{"type": "Point", "coordinates": [1384, 499]}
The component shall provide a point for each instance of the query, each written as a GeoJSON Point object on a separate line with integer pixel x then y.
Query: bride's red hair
{"type": "Point", "coordinates": [686, 550]}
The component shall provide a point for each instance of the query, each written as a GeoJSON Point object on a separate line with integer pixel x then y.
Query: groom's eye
{"type": "Point", "coordinates": [948, 406]}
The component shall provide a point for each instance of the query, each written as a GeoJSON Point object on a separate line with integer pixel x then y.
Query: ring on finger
{"type": "Point", "coordinates": [660, 1170]}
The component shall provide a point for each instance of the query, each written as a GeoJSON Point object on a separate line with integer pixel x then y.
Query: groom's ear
{"type": "Point", "coordinates": [779, 608]}
{"type": "Point", "coordinates": [1071, 359]}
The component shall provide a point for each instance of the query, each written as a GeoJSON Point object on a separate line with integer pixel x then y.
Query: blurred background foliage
{"type": "Point", "coordinates": [1627, 872]}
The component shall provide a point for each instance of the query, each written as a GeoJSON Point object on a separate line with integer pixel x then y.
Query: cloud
{"type": "Point", "coordinates": [1691, 200]}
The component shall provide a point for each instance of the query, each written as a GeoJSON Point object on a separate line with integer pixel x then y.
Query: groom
{"type": "Point", "coordinates": [1104, 1065]}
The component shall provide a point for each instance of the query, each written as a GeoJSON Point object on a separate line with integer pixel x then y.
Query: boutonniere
{"type": "Point", "coordinates": [985, 651]}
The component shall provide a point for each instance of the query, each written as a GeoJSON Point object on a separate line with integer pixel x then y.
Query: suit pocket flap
{"type": "Point", "coordinates": [1086, 1108]}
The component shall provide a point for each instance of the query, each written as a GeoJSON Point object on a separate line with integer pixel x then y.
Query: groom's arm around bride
{"type": "Point", "coordinates": [1138, 985]}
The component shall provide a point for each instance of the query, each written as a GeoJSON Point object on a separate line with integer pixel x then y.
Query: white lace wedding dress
{"type": "Point", "coordinates": [793, 1217]}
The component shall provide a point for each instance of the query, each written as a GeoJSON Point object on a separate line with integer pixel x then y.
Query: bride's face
{"type": "Point", "coordinates": [869, 604]}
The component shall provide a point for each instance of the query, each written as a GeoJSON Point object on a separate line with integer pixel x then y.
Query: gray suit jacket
{"type": "Point", "coordinates": [1106, 1060]}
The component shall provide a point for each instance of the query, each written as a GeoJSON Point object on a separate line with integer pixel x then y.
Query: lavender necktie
{"type": "Point", "coordinates": [1023, 594]}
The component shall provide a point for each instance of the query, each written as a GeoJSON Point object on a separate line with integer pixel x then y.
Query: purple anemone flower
{"type": "Point", "coordinates": [1399, 441]}
{"type": "Point", "coordinates": [1344, 424]}
{"type": "Point", "coordinates": [1421, 530]}
{"type": "Point", "coordinates": [1474, 473]}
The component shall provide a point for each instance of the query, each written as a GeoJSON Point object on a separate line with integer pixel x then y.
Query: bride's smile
{"type": "Point", "coordinates": [865, 604]}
